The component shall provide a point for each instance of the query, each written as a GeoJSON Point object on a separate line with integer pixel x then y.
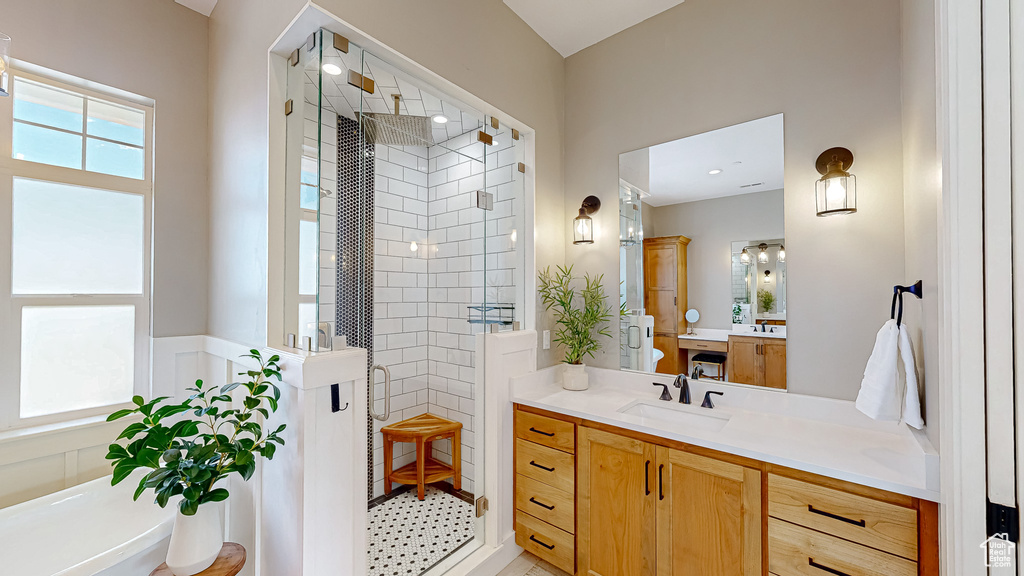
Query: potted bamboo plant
{"type": "Point", "coordinates": [189, 456]}
{"type": "Point", "coordinates": [580, 317]}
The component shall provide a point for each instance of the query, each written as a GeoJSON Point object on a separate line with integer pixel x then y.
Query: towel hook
{"type": "Point", "coordinates": [897, 295]}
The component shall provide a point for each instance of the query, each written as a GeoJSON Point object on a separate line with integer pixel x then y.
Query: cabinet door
{"type": "Point", "coordinates": [774, 356]}
{"type": "Point", "coordinates": [661, 298]}
{"type": "Point", "coordinates": [709, 516]}
{"type": "Point", "coordinates": [671, 363]}
{"type": "Point", "coordinates": [615, 505]}
{"type": "Point", "coordinates": [744, 360]}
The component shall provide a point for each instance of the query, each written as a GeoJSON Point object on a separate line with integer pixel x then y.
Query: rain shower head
{"type": "Point", "coordinates": [397, 130]}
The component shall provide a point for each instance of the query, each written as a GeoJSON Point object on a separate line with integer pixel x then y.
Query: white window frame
{"type": "Point", "coordinates": [11, 305]}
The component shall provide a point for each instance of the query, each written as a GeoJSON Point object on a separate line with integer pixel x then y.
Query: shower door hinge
{"type": "Point", "coordinates": [522, 168]}
{"type": "Point", "coordinates": [484, 137]}
{"type": "Point", "coordinates": [515, 134]}
{"type": "Point", "coordinates": [359, 81]}
{"type": "Point", "coordinates": [481, 506]}
{"type": "Point", "coordinates": [288, 107]}
{"type": "Point", "coordinates": [484, 200]}
{"type": "Point", "coordinates": [1003, 521]}
{"type": "Point", "coordinates": [494, 123]}
{"type": "Point", "coordinates": [311, 42]}
{"type": "Point", "coordinates": [293, 58]}
{"type": "Point", "coordinates": [341, 43]}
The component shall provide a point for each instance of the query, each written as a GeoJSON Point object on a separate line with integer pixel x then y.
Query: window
{"type": "Point", "coordinates": [76, 196]}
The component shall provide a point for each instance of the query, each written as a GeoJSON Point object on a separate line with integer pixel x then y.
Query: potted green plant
{"type": "Point", "coordinates": [580, 317]}
{"type": "Point", "coordinates": [766, 298]}
{"type": "Point", "coordinates": [190, 455]}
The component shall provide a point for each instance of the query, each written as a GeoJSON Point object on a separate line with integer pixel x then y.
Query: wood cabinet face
{"type": "Point", "coordinates": [774, 356]}
{"type": "Point", "coordinates": [709, 516]}
{"type": "Point", "coordinates": [615, 521]}
{"type": "Point", "coordinates": [743, 360]}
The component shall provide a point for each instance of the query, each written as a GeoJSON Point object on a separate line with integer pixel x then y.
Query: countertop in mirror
{"type": "Point", "coordinates": [719, 335]}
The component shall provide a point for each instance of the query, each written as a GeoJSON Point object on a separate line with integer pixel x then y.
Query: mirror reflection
{"type": "Point", "coordinates": [702, 256]}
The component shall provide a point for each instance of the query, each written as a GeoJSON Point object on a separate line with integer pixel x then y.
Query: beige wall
{"type": "Point", "coordinates": [706, 64]}
{"type": "Point", "coordinates": [156, 49]}
{"type": "Point", "coordinates": [495, 56]}
{"type": "Point", "coordinates": [922, 191]}
{"type": "Point", "coordinates": [712, 226]}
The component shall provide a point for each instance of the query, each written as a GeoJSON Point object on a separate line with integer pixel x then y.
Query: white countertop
{"type": "Point", "coordinates": [819, 435]}
{"type": "Point", "coordinates": [719, 335]}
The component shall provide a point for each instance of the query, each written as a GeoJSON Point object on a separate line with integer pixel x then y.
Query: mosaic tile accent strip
{"type": "Point", "coordinates": [408, 536]}
{"type": "Point", "coordinates": [354, 296]}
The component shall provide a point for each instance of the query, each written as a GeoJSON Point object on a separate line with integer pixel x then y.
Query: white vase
{"type": "Point", "coordinates": [196, 540]}
{"type": "Point", "coordinates": [574, 377]}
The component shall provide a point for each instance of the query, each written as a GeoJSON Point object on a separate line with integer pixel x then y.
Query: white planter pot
{"type": "Point", "coordinates": [196, 540]}
{"type": "Point", "coordinates": [575, 377]}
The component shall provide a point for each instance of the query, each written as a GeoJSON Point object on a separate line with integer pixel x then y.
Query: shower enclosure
{"type": "Point", "coordinates": [404, 211]}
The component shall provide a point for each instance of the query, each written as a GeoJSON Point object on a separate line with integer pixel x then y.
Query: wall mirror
{"type": "Point", "coordinates": [702, 235]}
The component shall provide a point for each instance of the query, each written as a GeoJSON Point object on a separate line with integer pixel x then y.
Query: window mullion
{"type": "Point", "coordinates": [85, 126]}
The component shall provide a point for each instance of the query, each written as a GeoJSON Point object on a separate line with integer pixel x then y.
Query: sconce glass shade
{"type": "Point", "coordinates": [762, 253]}
{"type": "Point", "coordinates": [5, 63]}
{"type": "Point", "coordinates": [782, 254]}
{"type": "Point", "coordinates": [836, 192]}
{"type": "Point", "coordinates": [583, 225]}
{"type": "Point", "coordinates": [745, 256]}
{"type": "Point", "coordinates": [583, 228]}
{"type": "Point", "coordinates": [767, 276]}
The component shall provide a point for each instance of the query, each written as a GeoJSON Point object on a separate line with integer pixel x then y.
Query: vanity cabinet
{"type": "Point", "coordinates": [665, 297]}
{"type": "Point", "coordinates": [646, 509]}
{"type": "Point", "coordinates": [757, 360]}
{"type": "Point", "coordinates": [649, 506]}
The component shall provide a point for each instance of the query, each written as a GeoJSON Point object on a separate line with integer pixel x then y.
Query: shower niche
{"type": "Point", "coordinates": [405, 208]}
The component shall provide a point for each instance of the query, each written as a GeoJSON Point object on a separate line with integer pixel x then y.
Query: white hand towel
{"type": "Point", "coordinates": [883, 395]}
{"type": "Point", "coordinates": [880, 397]}
{"type": "Point", "coordinates": [911, 399]}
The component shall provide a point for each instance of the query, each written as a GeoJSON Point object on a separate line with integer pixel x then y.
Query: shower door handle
{"type": "Point", "coordinates": [387, 395]}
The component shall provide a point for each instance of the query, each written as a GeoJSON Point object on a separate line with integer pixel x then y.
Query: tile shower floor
{"type": "Point", "coordinates": [408, 536]}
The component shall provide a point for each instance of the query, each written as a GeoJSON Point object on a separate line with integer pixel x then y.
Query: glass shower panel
{"type": "Point", "coordinates": [426, 165]}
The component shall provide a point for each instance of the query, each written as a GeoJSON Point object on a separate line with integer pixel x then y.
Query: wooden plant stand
{"type": "Point", "coordinates": [228, 563]}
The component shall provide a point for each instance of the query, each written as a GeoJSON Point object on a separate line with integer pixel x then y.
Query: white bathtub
{"type": "Point", "coordinates": [90, 529]}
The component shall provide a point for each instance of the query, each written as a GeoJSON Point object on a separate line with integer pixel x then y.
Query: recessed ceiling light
{"type": "Point", "coordinates": [332, 69]}
{"type": "Point", "coordinates": [715, 171]}
{"type": "Point", "coordinates": [439, 119]}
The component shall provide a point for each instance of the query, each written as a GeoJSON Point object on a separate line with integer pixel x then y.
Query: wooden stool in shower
{"type": "Point", "coordinates": [423, 430]}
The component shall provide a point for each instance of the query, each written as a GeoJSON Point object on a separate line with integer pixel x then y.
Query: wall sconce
{"type": "Point", "coordinates": [767, 276]}
{"type": "Point", "coordinates": [745, 256]}
{"type": "Point", "coordinates": [5, 62]}
{"type": "Point", "coordinates": [762, 253]}
{"type": "Point", "coordinates": [836, 191]}
{"type": "Point", "coordinates": [583, 225]}
{"type": "Point", "coordinates": [782, 254]}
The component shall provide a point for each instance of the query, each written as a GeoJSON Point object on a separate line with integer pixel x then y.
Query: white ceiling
{"type": "Point", "coordinates": [417, 100]}
{"type": "Point", "coordinates": [748, 153]}
{"type": "Point", "coordinates": [204, 7]}
{"type": "Point", "coordinates": [571, 25]}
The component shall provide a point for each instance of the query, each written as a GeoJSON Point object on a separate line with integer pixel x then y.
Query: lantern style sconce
{"type": "Point", "coordinates": [836, 191]}
{"type": "Point", "coordinates": [767, 276]}
{"type": "Point", "coordinates": [745, 256]}
{"type": "Point", "coordinates": [5, 63]}
{"type": "Point", "coordinates": [782, 254]}
{"type": "Point", "coordinates": [583, 225]}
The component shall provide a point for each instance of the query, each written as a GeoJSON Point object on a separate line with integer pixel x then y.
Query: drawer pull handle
{"type": "Point", "coordinates": [532, 463]}
{"type": "Point", "coordinates": [661, 487]}
{"type": "Point", "coordinates": [532, 429]}
{"type": "Point", "coordinates": [647, 478]}
{"type": "Point", "coordinates": [545, 506]}
{"type": "Point", "coordinates": [814, 510]}
{"type": "Point", "coordinates": [813, 564]}
{"type": "Point", "coordinates": [548, 546]}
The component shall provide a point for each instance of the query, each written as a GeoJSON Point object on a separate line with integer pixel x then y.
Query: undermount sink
{"type": "Point", "coordinates": [677, 415]}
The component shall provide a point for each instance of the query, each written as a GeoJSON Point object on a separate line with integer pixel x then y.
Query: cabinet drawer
{"type": "Point", "coordinates": [557, 434]}
{"type": "Point", "coordinates": [798, 551]}
{"type": "Point", "coordinates": [547, 542]}
{"type": "Point", "coordinates": [548, 503]}
{"type": "Point", "coordinates": [864, 520]}
{"type": "Point", "coordinates": [547, 465]}
{"type": "Point", "coordinates": [709, 345]}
